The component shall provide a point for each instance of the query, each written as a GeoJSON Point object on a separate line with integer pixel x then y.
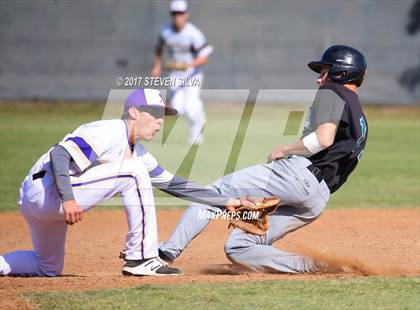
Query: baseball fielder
{"type": "Point", "coordinates": [93, 163]}
{"type": "Point", "coordinates": [303, 174]}
{"type": "Point", "coordinates": [188, 53]}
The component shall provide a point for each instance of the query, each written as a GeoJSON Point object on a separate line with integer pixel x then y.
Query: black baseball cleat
{"type": "Point", "coordinates": [162, 255]}
{"type": "Point", "coordinates": [165, 257]}
{"type": "Point", "coordinates": [149, 267]}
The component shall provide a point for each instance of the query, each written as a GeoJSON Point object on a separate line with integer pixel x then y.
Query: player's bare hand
{"type": "Point", "coordinates": [277, 153]}
{"type": "Point", "coordinates": [156, 71]}
{"type": "Point", "coordinates": [234, 203]}
{"type": "Point", "coordinates": [72, 211]}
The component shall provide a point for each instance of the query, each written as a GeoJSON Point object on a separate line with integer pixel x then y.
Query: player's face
{"type": "Point", "coordinates": [323, 77]}
{"type": "Point", "coordinates": [179, 20]}
{"type": "Point", "coordinates": [148, 125]}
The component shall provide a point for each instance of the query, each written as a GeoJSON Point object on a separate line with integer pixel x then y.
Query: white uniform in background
{"type": "Point", "coordinates": [184, 46]}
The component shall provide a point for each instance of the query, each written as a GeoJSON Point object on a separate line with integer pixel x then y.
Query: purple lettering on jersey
{"type": "Point", "coordinates": [84, 147]}
{"type": "Point", "coordinates": [157, 171]}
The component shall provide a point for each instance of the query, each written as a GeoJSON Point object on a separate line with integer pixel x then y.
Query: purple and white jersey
{"type": "Point", "coordinates": [102, 142]}
{"type": "Point", "coordinates": [157, 173]}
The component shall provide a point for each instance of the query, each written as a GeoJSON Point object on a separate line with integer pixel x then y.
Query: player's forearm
{"type": "Point", "coordinates": [156, 69]}
{"type": "Point", "coordinates": [157, 61]}
{"type": "Point", "coordinates": [158, 51]}
{"type": "Point", "coordinates": [60, 163]}
{"type": "Point", "coordinates": [199, 61]}
{"type": "Point", "coordinates": [297, 148]}
{"type": "Point", "coordinates": [309, 145]}
{"type": "Point", "coordinates": [281, 151]}
{"type": "Point", "coordinates": [191, 191]}
{"type": "Point", "coordinates": [158, 56]}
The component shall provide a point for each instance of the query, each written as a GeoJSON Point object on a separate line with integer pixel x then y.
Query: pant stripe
{"type": "Point", "coordinates": [122, 176]}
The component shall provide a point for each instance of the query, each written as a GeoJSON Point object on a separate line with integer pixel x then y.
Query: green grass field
{"type": "Point", "coordinates": [387, 177]}
{"type": "Point", "coordinates": [359, 293]}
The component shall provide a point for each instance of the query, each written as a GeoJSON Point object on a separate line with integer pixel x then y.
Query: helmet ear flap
{"type": "Point", "coordinates": [336, 75]}
{"type": "Point", "coordinates": [349, 76]}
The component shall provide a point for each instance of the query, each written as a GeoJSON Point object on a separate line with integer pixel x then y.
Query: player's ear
{"type": "Point", "coordinates": [133, 113]}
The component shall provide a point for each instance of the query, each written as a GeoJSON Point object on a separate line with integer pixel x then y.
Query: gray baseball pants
{"type": "Point", "coordinates": [303, 198]}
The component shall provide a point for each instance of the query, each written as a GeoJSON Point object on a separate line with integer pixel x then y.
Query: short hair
{"type": "Point", "coordinates": [125, 115]}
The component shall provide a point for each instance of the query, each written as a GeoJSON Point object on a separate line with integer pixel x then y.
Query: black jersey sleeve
{"type": "Point", "coordinates": [328, 107]}
{"type": "Point", "coordinates": [160, 42]}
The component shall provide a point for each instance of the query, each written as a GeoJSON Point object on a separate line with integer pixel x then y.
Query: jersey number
{"type": "Point", "coordinates": [363, 129]}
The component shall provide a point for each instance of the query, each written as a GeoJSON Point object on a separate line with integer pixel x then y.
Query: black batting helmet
{"type": "Point", "coordinates": [346, 64]}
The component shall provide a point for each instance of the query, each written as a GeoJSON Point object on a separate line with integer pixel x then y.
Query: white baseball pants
{"type": "Point", "coordinates": [41, 207]}
{"type": "Point", "coordinates": [187, 101]}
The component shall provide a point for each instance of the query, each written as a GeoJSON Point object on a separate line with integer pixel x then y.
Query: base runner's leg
{"type": "Point", "coordinates": [256, 252]}
{"type": "Point", "coordinates": [309, 197]}
{"type": "Point", "coordinates": [192, 223]}
{"type": "Point", "coordinates": [300, 206]}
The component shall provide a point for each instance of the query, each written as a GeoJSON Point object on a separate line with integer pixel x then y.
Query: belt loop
{"type": "Point", "coordinates": [38, 175]}
{"type": "Point", "coordinates": [316, 172]}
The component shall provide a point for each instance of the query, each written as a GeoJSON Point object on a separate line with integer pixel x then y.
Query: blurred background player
{"type": "Point", "coordinates": [188, 52]}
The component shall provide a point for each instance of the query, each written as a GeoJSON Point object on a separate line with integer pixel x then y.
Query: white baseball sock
{"type": "Point", "coordinates": [4, 267]}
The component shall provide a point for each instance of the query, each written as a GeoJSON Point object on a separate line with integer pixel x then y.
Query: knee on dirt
{"type": "Point", "coordinates": [236, 246]}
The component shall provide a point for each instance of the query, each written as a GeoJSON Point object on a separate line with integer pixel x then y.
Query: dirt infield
{"type": "Point", "coordinates": [367, 242]}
